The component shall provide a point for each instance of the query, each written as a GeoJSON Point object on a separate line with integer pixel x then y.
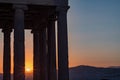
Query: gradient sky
{"type": "Point", "coordinates": [94, 34]}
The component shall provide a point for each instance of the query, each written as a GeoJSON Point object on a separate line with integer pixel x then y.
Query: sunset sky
{"type": "Point", "coordinates": [94, 34]}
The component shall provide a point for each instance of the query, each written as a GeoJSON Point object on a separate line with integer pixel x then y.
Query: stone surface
{"type": "Point", "coordinates": [7, 55]}
{"type": "Point", "coordinates": [19, 48]}
{"type": "Point", "coordinates": [51, 51]}
{"type": "Point", "coordinates": [36, 64]}
{"type": "Point", "coordinates": [63, 72]}
{"type": "Point", "coordinates": [41, 2]}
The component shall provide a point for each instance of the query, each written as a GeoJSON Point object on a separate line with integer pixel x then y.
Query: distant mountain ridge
{"type": "Point", "coordinates": [84, 72]}
{"type": "Point", "coordinates": [114, 67]}
{"type": "Point", "coordinates": [94, 73]}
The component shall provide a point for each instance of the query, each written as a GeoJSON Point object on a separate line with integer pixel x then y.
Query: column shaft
{"type": "Point", "coordinates": [19, 48]}
{"type": "Point", "coordinates": [36, 59]}
{"type": "Point", "coordinates": [7, 56]}
{"type": "Point", "coordinates": [63, 70]}
{"type": "Point", "coordinates": [43, 55]}
{"type": "Point", "coordinates": [51, 51]}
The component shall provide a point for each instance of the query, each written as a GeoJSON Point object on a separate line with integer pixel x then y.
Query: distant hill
{"type": "Point", "coordinates": [90, 73]}
{"type": "Point", "coordinates": [114, 67]}
{"type": "Point", "coordinates": [94, 73]}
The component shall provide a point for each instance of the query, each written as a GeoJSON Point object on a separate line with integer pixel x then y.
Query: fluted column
{"type": "Point", "coordinates": [63, 70]}
{"type": "Point", "coordinates": [19, 47]}
{"type": "Point", "coordinates": [51, 50]}
{"type": "Point", "coordinates": [43, 55]}
{"type": "Point", "coordinates": [36, 58]}
{"type": "Point", "coordinates": [7, 55]}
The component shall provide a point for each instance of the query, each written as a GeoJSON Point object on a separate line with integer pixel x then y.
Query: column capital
{"type": "Point", "coordinates": [20, 6]}
{"type": "Point", "coordinates": [6, 30]}
{"type": "Point", "coordinates": [62, 9]}
{"type": "Point", "coordinates": [52, 18]}
{"type": "Point", "coordinates": [35, 31]}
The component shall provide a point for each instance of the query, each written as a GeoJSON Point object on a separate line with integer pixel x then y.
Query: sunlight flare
{"type": "Point", "coordinates": [28, 70]}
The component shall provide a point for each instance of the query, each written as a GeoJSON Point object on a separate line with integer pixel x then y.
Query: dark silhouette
{"type": "Point", "coordinates": [40, 17]}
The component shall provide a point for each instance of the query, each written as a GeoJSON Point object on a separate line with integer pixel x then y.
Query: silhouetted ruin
{"type": "Point", "coordinates": [39, 16]}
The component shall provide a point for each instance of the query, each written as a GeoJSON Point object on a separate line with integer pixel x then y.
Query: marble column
{"type": "Point", "coordinates": [36, 59]}
{"type": "Point", "coordinates": [43, 54]}
{"type": "Point", "coordinates": [63, 69]}
{"type": "Point", "coordinates": [19, 47]}
{"type": "Point", "coordinates": [7, 55]}
{"type": "Point", "coordinates": [51, 50]}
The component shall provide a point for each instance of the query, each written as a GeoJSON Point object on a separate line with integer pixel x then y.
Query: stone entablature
{"type": "Point", "coordinates": [37, 2]}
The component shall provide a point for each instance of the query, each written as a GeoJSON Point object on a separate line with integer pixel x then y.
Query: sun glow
{"type": "Point", "coordinates": [28, 70]}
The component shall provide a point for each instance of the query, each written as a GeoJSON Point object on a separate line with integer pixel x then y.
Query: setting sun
{"type": "Point", "coordinates": [28, 69]}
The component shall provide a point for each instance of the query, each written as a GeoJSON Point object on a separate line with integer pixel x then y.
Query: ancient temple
{"type": "Point", "coordinates": [39, 16]}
